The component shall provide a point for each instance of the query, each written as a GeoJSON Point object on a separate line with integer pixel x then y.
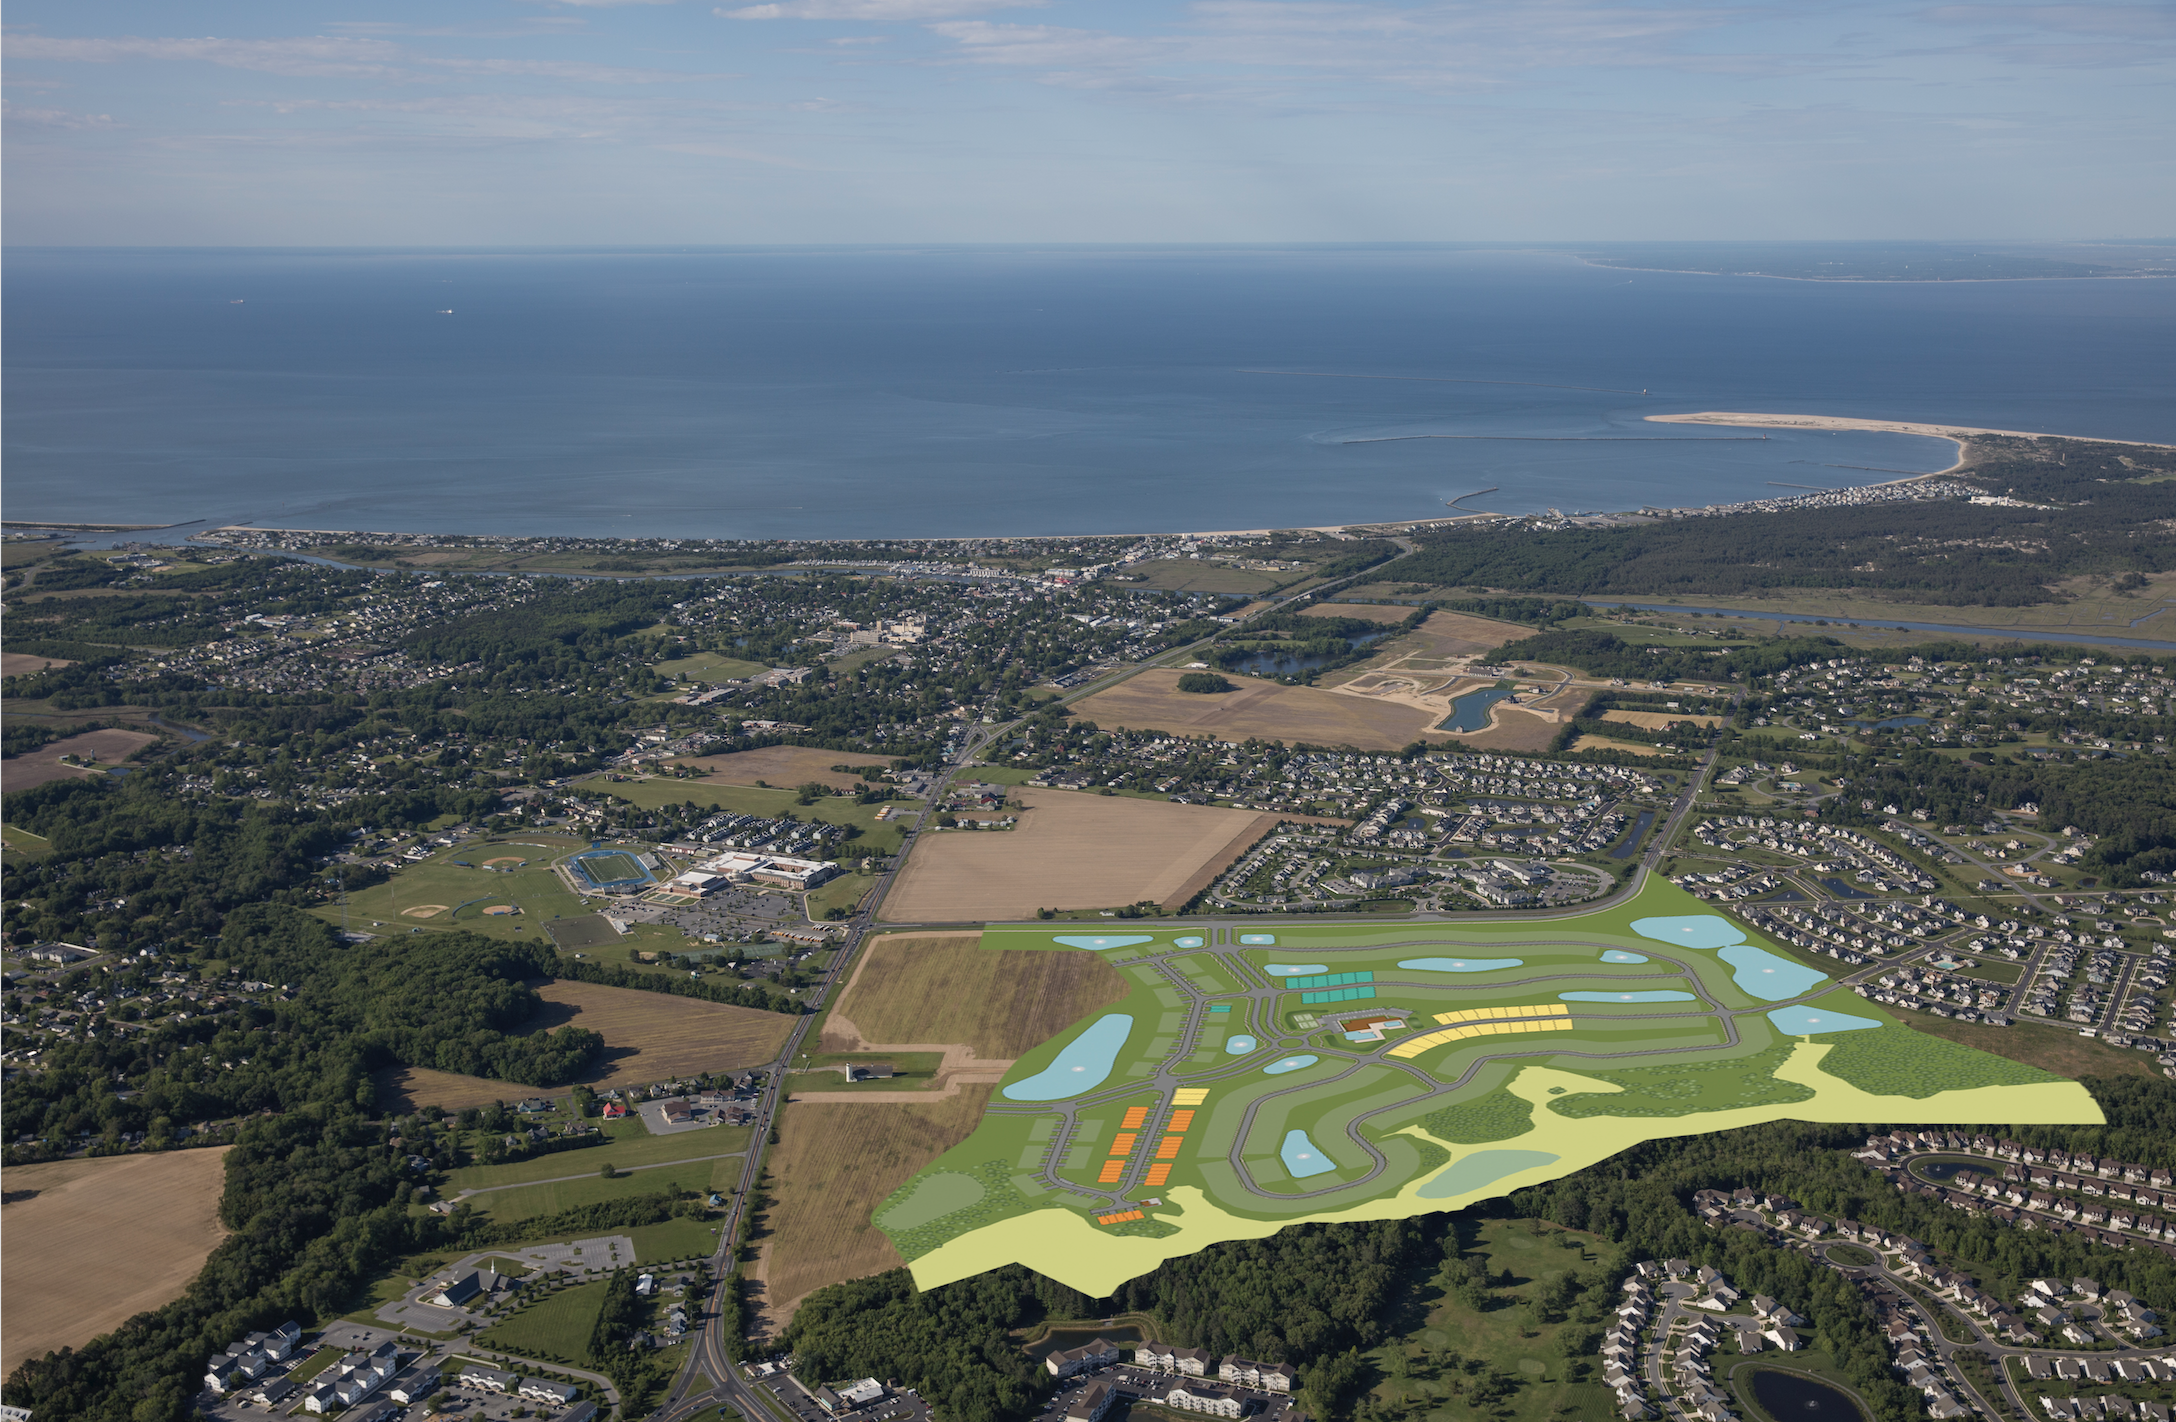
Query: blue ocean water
{"type": "Point", "coordinates": [800, 392]}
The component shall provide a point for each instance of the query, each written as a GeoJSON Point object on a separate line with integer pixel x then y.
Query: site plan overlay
{"type": "Point", "coordinates": [1284, 1071]}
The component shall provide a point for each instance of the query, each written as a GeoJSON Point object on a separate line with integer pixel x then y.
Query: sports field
{"type": "Point", "coordinates": [710, 667]}
{"type": "Point", "coordinates": [100, 1241]}
{"type": "Point", "coordinates": [1285, 1070]}
{"type": "Point", "coordinates": [1267, 709]}
{"type": "Point", "coordinates": [1071, 851]}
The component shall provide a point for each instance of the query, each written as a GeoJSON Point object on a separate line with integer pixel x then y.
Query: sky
{"type": "Point", "coordinates": [661, 122]}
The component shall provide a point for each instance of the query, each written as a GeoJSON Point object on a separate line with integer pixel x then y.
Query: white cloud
{"type": "Point", "coordinates": [910, 10]}
{"type": "Point", "coordinates": [329, 56]}
{"type": "Point", "coordinates": [15, 114]}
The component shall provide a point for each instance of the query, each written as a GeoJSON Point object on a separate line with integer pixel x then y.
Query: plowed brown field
{"type": "Point", "coordinates": [1153, 701]}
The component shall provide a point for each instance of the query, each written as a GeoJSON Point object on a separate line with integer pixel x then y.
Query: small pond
{"type": "Point", "coordinates": [1689, 930]}
{"type": "Point", "coordinates": [1795, 1396]}
{"type": "Point", "coordinates": [1650, 995]}
{"type": "Point", "coordinates": [1767, 977]}
{"type": "Point", "coordinates": [1259, 940]}
{"type": "Point", "coordinates": [1285, 1064]}
{"type": "Point", "coordinates": [1808, 1022]}
{"type": "Point", "coordinates": [1632, 841]}
{"type": "Point", "coordinates": [1302, 1157]}
{"type": "Point", "coordinates": [1192, 940]}
{"type": "Point", "coordinates": [1294, 970]}
{"type": "Point", "coordinates": [1618, 955]}
{"type": "Point", "coordinates": [1082, 1066]}
{"type": "Point", "coordinates": [1060, 1339]}
{"type": "Point", "coordinates": [1239, 1045]}
{"type": "Point", "coordinates": [1102, 940]}
{"type": "Point", "coordinates": [1470, 712]}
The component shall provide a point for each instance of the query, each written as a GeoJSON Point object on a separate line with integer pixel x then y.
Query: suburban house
{"type": "Point", "coordinates": [1100, 1353]}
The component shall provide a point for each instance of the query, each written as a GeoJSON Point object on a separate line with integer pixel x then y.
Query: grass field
{"type": "Point", "coordinates": [437, 895]}
{"type": "Point", "coordinates": [1429, 1372]}
{"type": "Point", "coordinates": [709, 667]}
{"type": "Point", "coordinates": [648, 1037]}
{"type": "Point", "coordinates": [784, 765]}
{"type": "Point", "coordinates": [832, 1166]}
{"type": "Point", "coordinates": [747, 800]}
{"type": "Point", "coordinates": [1070, 851]}
{"type": "Point", "coordinates": [922, 989]}
{"type": "Point", "coordinates": [2057, 1049]}
{"type": "Point", "coordinates": [1267, 709]}
{"type": "Point", "coordinates": [1189, 575]}
{"type": "Point", "coordinates": [628, 1145]}
{"type": "Point", "coordinates": [101, 1241]}
{"type": "Point", "coordinates": [557, 1326]}
{"type": "Point", "coordinates": [529, 1201]}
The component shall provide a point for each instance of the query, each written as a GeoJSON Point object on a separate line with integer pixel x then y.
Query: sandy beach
{"type": "Point", "coordinates": [1957, 434]}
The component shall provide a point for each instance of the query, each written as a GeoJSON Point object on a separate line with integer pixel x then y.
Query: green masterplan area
{"type": "Point", "coordinates": [1282, 1070]}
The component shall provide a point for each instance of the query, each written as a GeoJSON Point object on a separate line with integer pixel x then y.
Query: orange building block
{"type": "Point", "coordinates": [1112, 1169]}
{"type": "Point", "coordinates": [1168, 1147]}
{"type": "Point", "coordinates": [1135, 1116]}
{"type": "Point", "coordinates": [1180, 1120]}
{"type": "Point", "coordinates": [1158, 1174]}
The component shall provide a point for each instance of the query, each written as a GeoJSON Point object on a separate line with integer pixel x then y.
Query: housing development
{"type": "Point", "coordinates": [1256, 975]}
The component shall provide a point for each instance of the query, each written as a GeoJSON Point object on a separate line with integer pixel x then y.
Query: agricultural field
{"type": "Point", "coordinates": [522, 1202]}
{"type": "Point", "coordinates": [649, 1036]}
{"type": "Point", "coordinates": [39, 766]}
{"type": "Point", "coordinates": [1152, 701]}
{"type": "Point", "coordinates": [1288, 1070]}
{"type": "Point", "coordinates": [783, 765]}
{"type": "Point", "coordinates": [23, 664]}
{"type": "Point", "coordinates": [92, 1243]}
{"type": "Point", "coordinates": [1071, 850]}
{"type": "Point", "coordinates": [998, 1004]}
{"type": "Point", "coordinates": [834, 1163]}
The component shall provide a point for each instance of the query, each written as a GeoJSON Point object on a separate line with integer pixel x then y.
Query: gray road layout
{"type": "Point", "coordinates": [1228, 955]}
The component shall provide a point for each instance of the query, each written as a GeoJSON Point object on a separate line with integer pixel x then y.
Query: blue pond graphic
{"type": "Point", "coordinates": [1650, 995]}
{"type": "Point", "coordinates": [1768, 977]}
{"type": "Point", "coordinates": [1285, 1064]}
{"type": "Point", "coordinates": [1461, 965]}
{"type": "Point", "coordinates": [1689, 930]}
{"type": "Point", "coordinates": [1259, 940]}
{"type": "Point", "coordinates": [1294, 970]}
{"type": "Point", "coordinates": [1483, 1167]}
{"type": "Point", "coordinates": [1191, 940]}
{"type": "Point", "coordinates": [1301, 1157]}
{"type": "Point", "coordinates": [1081, 1066]}
{"type": "Point", "coordinates": [1102, 940]}
{"type": "Point", "coordinates": [1810, 1021]}
{"type": "Point", "coordinates": [1239, 1045]}
{"type": "Point", "coordinates": [1618, 955]}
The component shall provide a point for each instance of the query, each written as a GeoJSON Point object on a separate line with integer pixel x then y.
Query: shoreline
{"type": "Point", "coordinates": [1955, 434]}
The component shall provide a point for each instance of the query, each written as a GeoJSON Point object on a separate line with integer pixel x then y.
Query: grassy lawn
{"type": "Point", "coordinates": [630, 1144]}
{"type": "Point", "coordinates": [532, 1201]}
{"type": "Point", "coordinates": [1435, 1369]}
{"type": "Point", "coordinates": [674, 1239]}
{"type": "Point", "coordinates": [710, 666]}
{"type": "Point", "coordinates": [843, 892]}
{"type": "Point", "coordinates": [23, 842]}
{"type": "Point", "coordinates": [748, 800]}
{"type": "Point", "coordinates": [556, 1328]}
{"type": "Point", "coordinates": [316, 1363]}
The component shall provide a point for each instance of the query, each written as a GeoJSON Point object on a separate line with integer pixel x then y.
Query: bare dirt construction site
{"type": "Point", "coordinates": [93, 1243]}
{"type": "Point", "coordinates": [832, 1166]}
{"type": "Point", "coordinates": [648, 1036]}
{"type": "Point", "coordinates": [1152, 701]}
{"type": "Point", "coordinates": [1071, 851]}
{"type": "Point", "coordinates": [43, 764]}
{"type": "Point", "coordinates": [785, 766]}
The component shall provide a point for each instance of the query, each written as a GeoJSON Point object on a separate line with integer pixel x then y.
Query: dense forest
{"type": "Point", "coordinates": [2099, 509]}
